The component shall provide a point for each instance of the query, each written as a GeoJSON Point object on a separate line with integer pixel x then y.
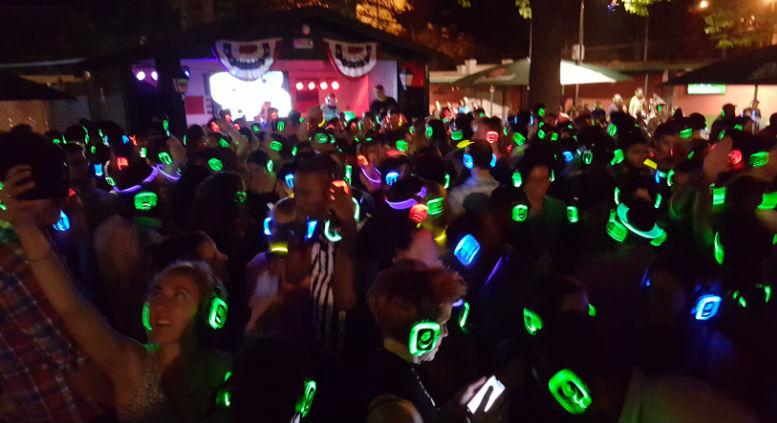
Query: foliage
{"type": "Point", "coordinates": [637, 7]}
{"type": "Point", "coordinates": [382, 14]}
{"type": "Point", "coordinates": [458, 46]}
{"type": "Point", "coordinates": [734, 23]}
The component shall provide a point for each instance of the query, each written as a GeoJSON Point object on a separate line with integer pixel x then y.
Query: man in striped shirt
{"type": "Point", "coordinates": [324, 259]}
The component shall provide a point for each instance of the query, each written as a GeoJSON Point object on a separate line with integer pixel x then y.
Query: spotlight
{"type": "Point", "coordinates": [154, 75]}
{"type": "Point", "coordinates": [311, 85]}
{"type": "Point", "coordinates": [335, 85]}
{"type": "Point", "coordinates": [140, 75]}
{"type": "Point", "coordinates": [299, 86]}
{"type": "Point", "coordinates": [323, 85]}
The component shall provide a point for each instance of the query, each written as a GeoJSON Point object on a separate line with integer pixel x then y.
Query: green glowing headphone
{"type": "Point", "coordinates": [424, 337]}
{"type": "Point", "coordinates": [570, 392]}
{"type": "Point", "coordinates": [145, 201]}
{"type": "Point", "coordinates": [619, 228]}
{"type": "Point", "coordinates": [305, 401]}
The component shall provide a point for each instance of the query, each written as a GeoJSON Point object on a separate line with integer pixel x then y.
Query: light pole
{"type": "Point", "coordinates": [579, 58]}
{"type": "Point", "coordinates": [771, 26]}
{"type": "Point", "coordinates": [645, 55]}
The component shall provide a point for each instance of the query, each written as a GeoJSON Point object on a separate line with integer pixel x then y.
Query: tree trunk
{"type": "Point", "coordinates": [545, 73]}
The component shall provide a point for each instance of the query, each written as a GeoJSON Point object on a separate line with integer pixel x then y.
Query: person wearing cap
{"type": "Point", "coordinates": [39, 356]}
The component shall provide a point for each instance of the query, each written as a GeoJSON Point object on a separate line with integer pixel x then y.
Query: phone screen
{"type": "Point", "coordinates": [493, 388]}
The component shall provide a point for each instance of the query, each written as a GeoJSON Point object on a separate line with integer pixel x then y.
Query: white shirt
{"type": "Point", "coordinates": [475, 184]}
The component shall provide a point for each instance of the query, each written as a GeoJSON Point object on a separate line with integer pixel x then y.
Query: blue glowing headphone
{"type": "Point", "coordinates": [706, 302]}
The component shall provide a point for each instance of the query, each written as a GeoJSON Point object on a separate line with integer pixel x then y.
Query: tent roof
{"type": "Point", "coordinates": [13, 88]}
{"type": "Point", "coordinates": [197, 42]}
{"type": "Point", "coordinates": [517, 73]}
{"type": "Point", "coordinates": [753, 67]}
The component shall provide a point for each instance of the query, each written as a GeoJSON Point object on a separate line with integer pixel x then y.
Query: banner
{"type": "Point", "coordinates": [352, 59]}
{"type": "Point", "coordinates": [247, 60]}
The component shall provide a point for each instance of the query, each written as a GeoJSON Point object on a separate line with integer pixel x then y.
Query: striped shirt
{"type": "Point", "coordinates": [325, 319]}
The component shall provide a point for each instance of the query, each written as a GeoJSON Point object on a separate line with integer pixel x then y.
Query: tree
{"type": "Point", "coordinates": [734, 23]}
{"type": "Point", "coordinates": [547, 19]}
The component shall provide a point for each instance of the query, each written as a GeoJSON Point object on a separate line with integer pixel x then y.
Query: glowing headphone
{"type": "Point", "coordinates": [215, 164]}
{"type": "Point", "coordinates": [619, 228]}
{"type": "Point", "coordinates": [145, 201]}
{"type": "Point", "coordinates": [165, 158]}
{"type": "Point", "coordinates": [705, 306]}
{"type": "Point", "coordinates": [570, 392]}
{"type": "Point", "coordinates": [305, 401]}
{"type": "Point", "coordinates": [62, 225]}
{"type": "Point", "coordinates": [241, 197]}
{"type": "Point", "coordinates": [463, 308]}
{"type": "Point", "coordinates": [424, 337]}
{"type": "Point", "coordinates": [467, 250]}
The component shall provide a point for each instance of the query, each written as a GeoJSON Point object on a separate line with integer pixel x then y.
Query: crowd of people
{"type": "Point", "coordinates": [330, 267]}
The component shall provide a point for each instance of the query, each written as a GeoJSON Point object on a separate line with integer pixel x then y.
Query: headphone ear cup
{"type": "Point", "coordinates": [424, 338]}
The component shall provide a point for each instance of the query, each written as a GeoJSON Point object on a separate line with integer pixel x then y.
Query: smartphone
{"type": "Point", "coordinates": [493, 388]}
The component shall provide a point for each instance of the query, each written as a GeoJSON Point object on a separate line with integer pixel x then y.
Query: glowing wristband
{"type": "Point", "coordinates": [457, 135]}
{"type": "Point", "coordinates": [401, 145]}
{"type": "Point", "coordinates": [447, 183]}
{"type": "Point", "coordinates": [289, 179]}
{"type": "Point", "coordinates": [276, 145]}
{"type": "Point", "coordinates": [494, 270]}
{"type": "Point", "coordinates": [686, 133]}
